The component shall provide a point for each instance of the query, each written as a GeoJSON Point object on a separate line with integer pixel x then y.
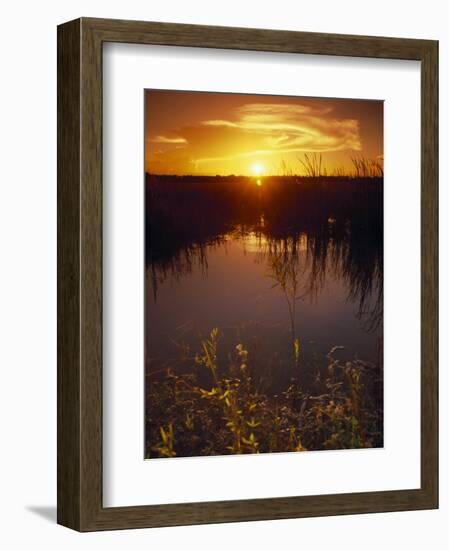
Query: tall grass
{"type": "Point", "coordinates": [367, 168]}
{"type": "Point", "coordinates": [312, 165]}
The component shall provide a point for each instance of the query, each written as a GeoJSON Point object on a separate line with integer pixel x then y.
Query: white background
{"type": "Point", "coordinates": [129, 480]}
{"type": "Point", "coordinates": [28, 274]}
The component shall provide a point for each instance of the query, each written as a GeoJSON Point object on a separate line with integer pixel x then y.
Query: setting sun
{"type": "Point", "coordinates": [209, 134]}
{"type": "Point", "coordinates": [257, 169]}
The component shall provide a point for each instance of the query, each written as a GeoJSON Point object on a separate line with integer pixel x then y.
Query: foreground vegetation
{"type": "Point", "coordinates": [231, 415]}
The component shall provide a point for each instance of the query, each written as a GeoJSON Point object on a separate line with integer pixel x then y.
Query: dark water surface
{"type": "Point", "coordinates": [291, 260]}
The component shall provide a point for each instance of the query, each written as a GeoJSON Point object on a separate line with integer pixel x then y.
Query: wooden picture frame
{"type": "Point", "coordinates": [80, 503]}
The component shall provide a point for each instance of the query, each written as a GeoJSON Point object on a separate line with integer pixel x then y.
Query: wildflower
{"type": "Point", "coordinates": [338, 410]}
{"type": "Point", "coordinates": [205, 393]}
{"type": "Point", "coordinates": [252, 423]}
{"type": "Point", "coordinates": [296, 350]}
{"type": "Point", "coordinates": [189, 422]}
{"type": "Point", "coordinates": [242, 352]}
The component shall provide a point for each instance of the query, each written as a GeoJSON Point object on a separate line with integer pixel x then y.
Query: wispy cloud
{"type": "Point", "coordinates": [295, 128]}
{"type": "Point", "coordinates": [228, 139]}
{"type": "Point", "coordinates": [174, 140]}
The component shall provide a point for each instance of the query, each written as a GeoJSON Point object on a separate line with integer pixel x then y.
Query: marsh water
{"type": "Point", "coordinates": [289, 263]}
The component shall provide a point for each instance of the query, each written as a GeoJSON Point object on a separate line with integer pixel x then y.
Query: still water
{"type": "Point", "coordinates": [320, 286]}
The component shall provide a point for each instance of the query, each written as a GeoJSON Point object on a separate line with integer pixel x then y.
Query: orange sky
{"type": "Point", "coordinates": [218, 133]}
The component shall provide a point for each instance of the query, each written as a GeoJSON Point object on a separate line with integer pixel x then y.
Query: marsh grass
{"type": "Point", "coordinates": [231, 415]}
{"type": "Point", "coordinates": [367, 168]}
{"type": "Point", "coordinates": [313, 166]}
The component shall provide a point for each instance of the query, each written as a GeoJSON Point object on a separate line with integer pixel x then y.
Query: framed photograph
{"type": "Point", "coordinates": [247, 274]}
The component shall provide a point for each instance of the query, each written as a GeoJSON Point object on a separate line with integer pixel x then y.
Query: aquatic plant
{"type": "Point", "coordinates": [285, 275]}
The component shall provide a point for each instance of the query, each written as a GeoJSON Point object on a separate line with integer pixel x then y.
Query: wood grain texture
{"type": "Point", "coordinates": [80, 274]}
{"type": "Point", "coordinates": [69, 408]}
{"type": "Point", "coordinates": [429, 271]}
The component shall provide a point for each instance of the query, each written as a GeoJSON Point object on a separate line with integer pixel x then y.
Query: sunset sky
{"type": "Point", "coordinates": [216, 133]}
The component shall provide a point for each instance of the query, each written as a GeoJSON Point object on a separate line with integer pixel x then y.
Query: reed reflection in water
{"type": "Point", "coordinates": [294, 264]}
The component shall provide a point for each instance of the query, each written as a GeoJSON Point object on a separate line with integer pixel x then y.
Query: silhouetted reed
{"type": "Point", "coordinates": [312, 165]}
